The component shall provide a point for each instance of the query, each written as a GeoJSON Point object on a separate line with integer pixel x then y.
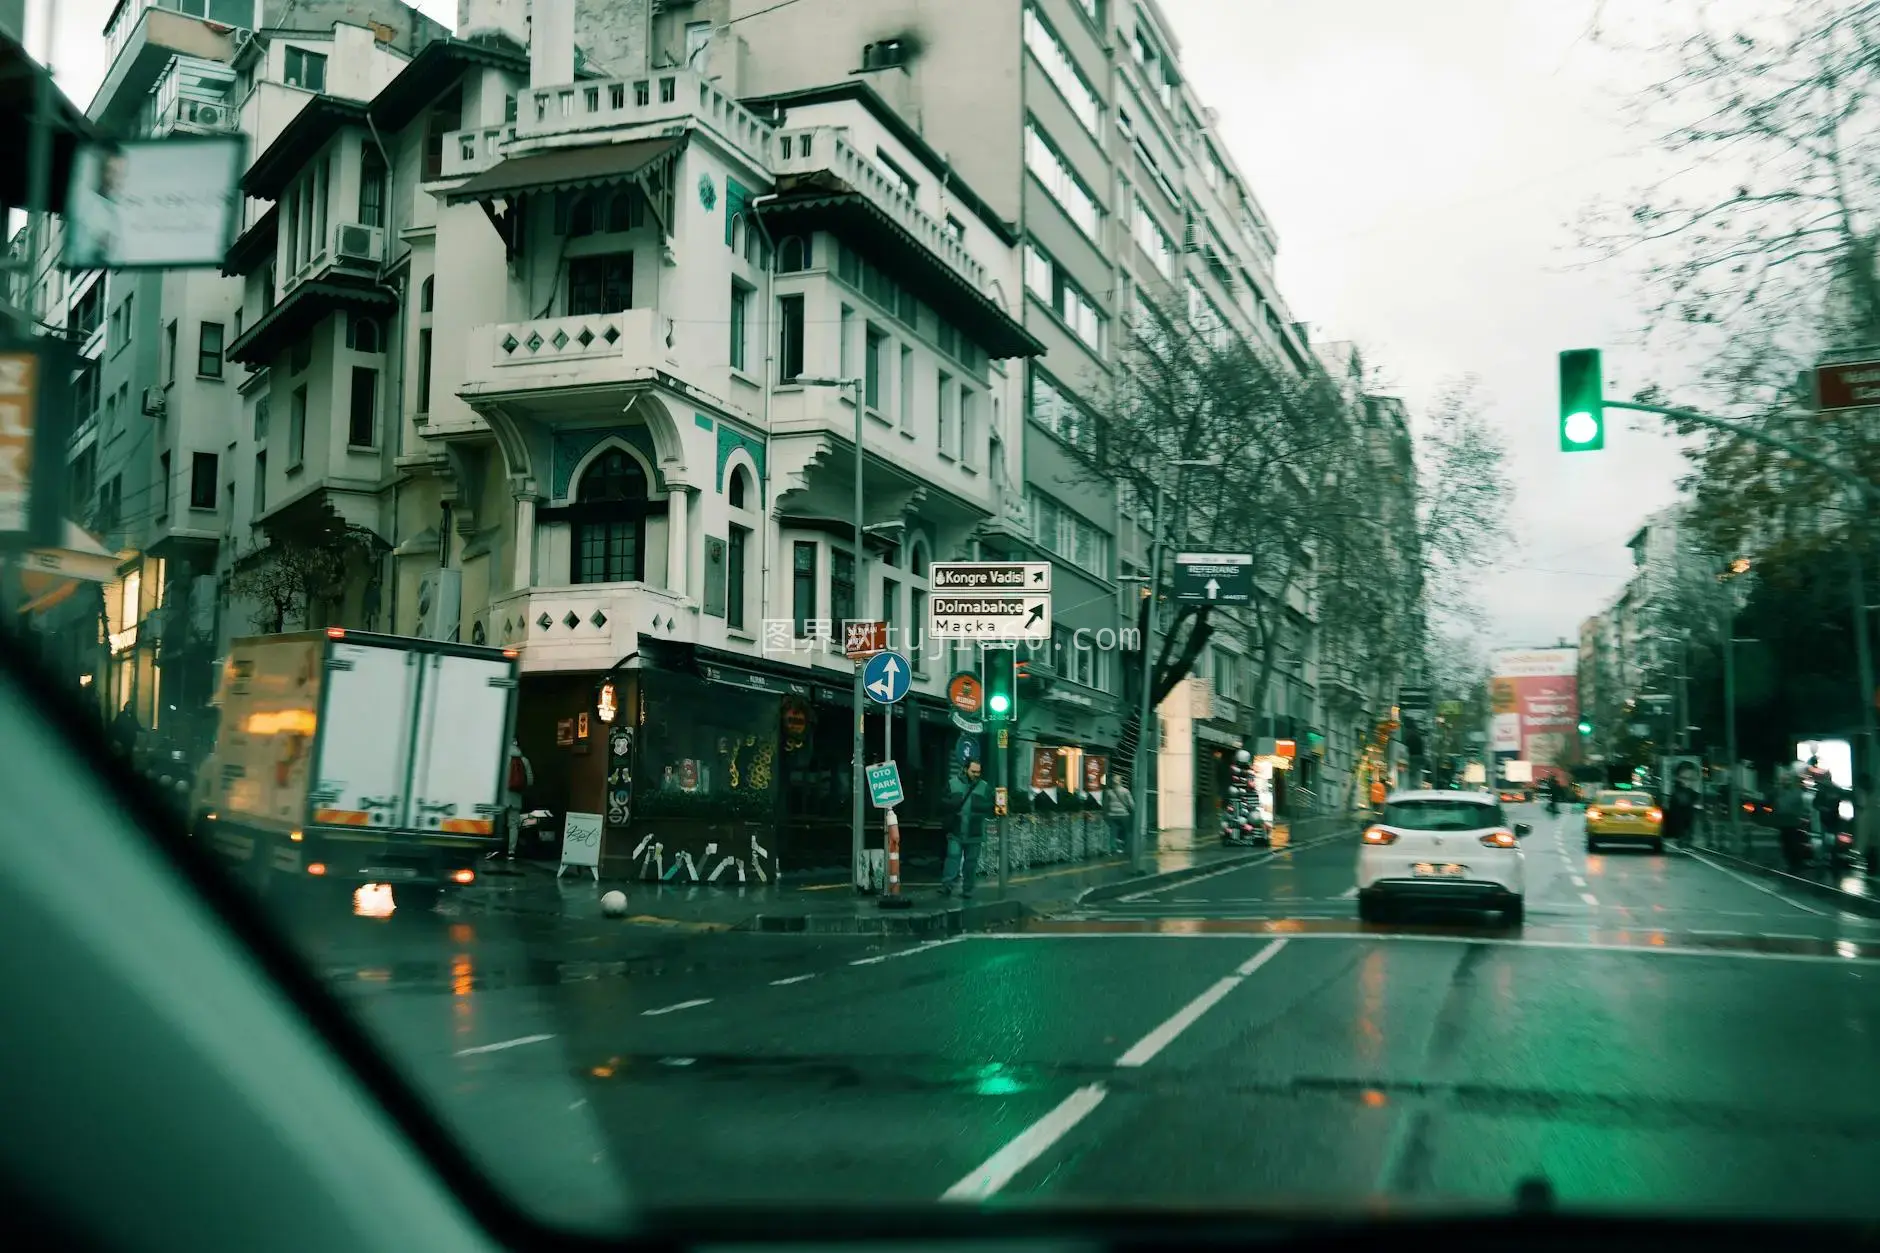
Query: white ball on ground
{"type": "Point", "coordinates": [614, 904]}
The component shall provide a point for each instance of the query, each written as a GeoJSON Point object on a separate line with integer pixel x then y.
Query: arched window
{"type": "Point", "coordinates": [737, 234]}
{"type": "Point", "coordinates": [609, 517]}
{"type": "Point", "coordinates": [364, 333]}
{"type": "Point", "coordinates": [426, 294]}
{"type": "Point", "coordinates": [917, 559]}
{"type": "Point", "coordinates": [738, 491]}
{"type": "Point", "coordinates": [792, 254]}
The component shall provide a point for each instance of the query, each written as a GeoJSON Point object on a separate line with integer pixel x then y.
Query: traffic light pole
{"type": "Point", "coordinates": [1145, 710]}
{"type": "Point", "coordinates": [1865, 493]}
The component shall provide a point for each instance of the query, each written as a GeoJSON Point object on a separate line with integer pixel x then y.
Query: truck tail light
{"type": "Point", "coordinates": [465, 875]}
{"type": "Point", "coordinates": [336, 633]}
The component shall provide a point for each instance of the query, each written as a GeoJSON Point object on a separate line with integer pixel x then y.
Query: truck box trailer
{"type": "Point", "coordinates": [357, 757]}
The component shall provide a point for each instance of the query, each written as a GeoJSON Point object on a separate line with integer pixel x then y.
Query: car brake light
{"type": "Point", "coordinates": [1379, 835]}
{"type": "Point", "coordinates": [316, 869]}
{"type": "Point", "coordinates": [463, 876]}
{"type": "Point", "coordinates": [1499, 839]}
{"type": "Point", "coordinates": [1594, 815]}
{"type": "Point", "coordinates": [1656, 815]}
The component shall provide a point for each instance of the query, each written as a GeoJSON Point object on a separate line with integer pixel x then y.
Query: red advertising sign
{"type": "Point", "coordinates": [1043, 768]}
{"type": "Point", "coordinates": [1095, 768]}
{"type": "Point", "coordinates": [965, 692]}
{"type": "Point", "coordinates": [1542, 686]}
{"type": "Point", "coordinates": [864, 639]}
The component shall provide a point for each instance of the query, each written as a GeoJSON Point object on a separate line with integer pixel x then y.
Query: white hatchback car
{"type": "Point", "coordinates": [1451, 848]}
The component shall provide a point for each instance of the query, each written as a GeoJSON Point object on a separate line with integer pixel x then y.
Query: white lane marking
{"type": "Point", "coordinates": [500, 1045]}
{"type": "Point", "coordinates": [1260, 860]}
{"type": "Point", "coordinates": [1589, 898]}
{"type": "Point", "coordinates": [1027, 1147]}
{"type": "Point", "coordinates": [778, 983]}
{"type": "Point", "coordinates": [1748, 882]}
{"type": "Point", "coordinates": [1578, 882]}
{"type": "Point", "coordinates": [929, 946]}
{"type": "Point", "coordinates": [1185, 1017]}
{"type": "Point", "coordinates": [1586, 946]}
{"type": "Point", "coordinates": [673, 1009]}
{"type": "Point", "coordinates": [1349, 892]}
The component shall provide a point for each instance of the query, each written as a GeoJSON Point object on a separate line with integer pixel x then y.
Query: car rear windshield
{"type": "Point", "coordinates": [1638, 800]}
{"type": "Point", "coordinates": [1442, 815]}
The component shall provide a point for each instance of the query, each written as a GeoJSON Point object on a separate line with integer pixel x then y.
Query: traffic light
{"type": "Point", "coordinates": [1582, 413]}
{"type": "Point", "coordinates": [1001, 679]}
{"type": "Point", "coordinates": [1586, 728]}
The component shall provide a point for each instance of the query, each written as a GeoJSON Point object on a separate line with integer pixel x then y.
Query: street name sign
{"type": "Point", "coordinates": [1214, 578]}
{"type": "Point", "coordinates": [863, 639]}
{"type": "Point", "coordinates": [989, 576]}
{"type": "Point", "coordinates": [1847, 385]}
{"type": "Point", "coordinates": [989, 617]}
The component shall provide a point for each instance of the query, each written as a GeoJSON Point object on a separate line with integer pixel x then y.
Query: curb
{"type": "Point", "coordinates": [1171, 878]}
{"type": "Point", "coordinates": [1864, 905]}
{"type": "Point", "coordinates": [953, 921]}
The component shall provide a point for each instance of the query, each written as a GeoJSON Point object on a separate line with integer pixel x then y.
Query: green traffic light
{"type": "Point", "coordinates": [999, 704]}
{"type": "Point", "coordinates": [1582, 409]}
{"type": "Point", "coordinates": [1586, 728]}
{"type": "Point", "coordinates": [1001, 679]}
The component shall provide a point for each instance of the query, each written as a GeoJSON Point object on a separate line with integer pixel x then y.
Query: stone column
{"type": "Point", "coordinates": [678, 541]}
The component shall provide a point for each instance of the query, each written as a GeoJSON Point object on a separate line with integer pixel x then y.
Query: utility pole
{"type": "Point", "coordinates": [1145, 709]}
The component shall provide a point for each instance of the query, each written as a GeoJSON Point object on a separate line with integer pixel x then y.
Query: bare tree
{"type": "Point", "coordinates": [1280, 452]}
{"type": "Point", "coordinates": [291, 577]}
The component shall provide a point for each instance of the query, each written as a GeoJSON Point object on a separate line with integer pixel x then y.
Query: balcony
{"type": "Point", "coordinates": [663, 99]}
{"type": "Point", "coordinates": [814, 149]}
{"type": "Point", "coordinates": [587, 626]}
{"type": "Point", "coordinates": [554, 360]}
{"type": "Point", "coordinates": [142, 36]}
{"type": "Point", "coordinates": [474, 150]}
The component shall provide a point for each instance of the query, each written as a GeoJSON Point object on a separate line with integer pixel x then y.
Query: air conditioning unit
{"type": "Point", "coordinates": [154, 402]}
{"type": "Point", "coordinates": [440, 602]}
{"type": "Point", "coordinates": [202, 113]}
{"type": "Point", "coordinates": [363, 245]}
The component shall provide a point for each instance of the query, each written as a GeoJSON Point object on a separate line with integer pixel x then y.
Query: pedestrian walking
{"type": "Point", "coordinates": [1119, 807]}
{"type": "Point", "coordinates": [1681, 805]}
{"type": "Point", "coordinates": [521, 779]}
{"type": "Point", "coordinates": [124, 731]}
{"type": "Point", "coordinates": [968, 804]}
{"type": "Point", "coordinates": [1791, 820]}
{"type": "Point", "coordinates": [1866, 828]}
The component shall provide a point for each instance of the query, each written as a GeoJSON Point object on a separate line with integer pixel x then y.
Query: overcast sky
{"type": "Point", "coordinates": [1422, 165]}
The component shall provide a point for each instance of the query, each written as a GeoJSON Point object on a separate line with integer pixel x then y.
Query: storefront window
{"type": "Point", "coordinates": [707, 751]}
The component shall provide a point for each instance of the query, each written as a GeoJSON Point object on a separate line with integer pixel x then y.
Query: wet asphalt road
{"type": "Point", "coordinates": [1663, 1034]}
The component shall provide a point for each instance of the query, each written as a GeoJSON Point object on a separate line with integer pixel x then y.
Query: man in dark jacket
{"type": "Point", "coordinates": [968, 805]}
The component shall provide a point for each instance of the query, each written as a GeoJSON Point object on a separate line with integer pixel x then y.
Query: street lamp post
{"type": "Point", "coordinates": [857, 696]}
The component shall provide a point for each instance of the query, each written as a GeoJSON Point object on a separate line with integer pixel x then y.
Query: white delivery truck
{"type": "Point", "coordinates": [356, 757]}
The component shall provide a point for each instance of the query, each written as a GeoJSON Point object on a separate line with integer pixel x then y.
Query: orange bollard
{"type": "Point", "coordinates": [891, 897]}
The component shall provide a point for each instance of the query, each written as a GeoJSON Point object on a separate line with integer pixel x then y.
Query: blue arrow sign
{"type": "Point", "coordinates": [885, 678]}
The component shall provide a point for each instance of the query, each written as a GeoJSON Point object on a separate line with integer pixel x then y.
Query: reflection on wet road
{"type": "Point", "coordinates": [1662, 1034]}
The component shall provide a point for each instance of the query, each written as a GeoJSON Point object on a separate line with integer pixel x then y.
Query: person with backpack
{"type": "Point", "coordinates": [521, 779]}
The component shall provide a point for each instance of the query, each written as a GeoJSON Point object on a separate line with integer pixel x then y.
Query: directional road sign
{"type": "Point", "coordinates": [990, 576]}
{"type": "Point", "coordinates": [885, 678]}
{"type": "Point", "coordinates": [884, 785]}
{"type": "Point", "coordinates": [1214, 578]}
{"type": "Point", "coordinates": [989, 617]}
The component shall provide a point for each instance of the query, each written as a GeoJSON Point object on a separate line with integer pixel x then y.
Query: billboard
{"type": "Point", "coordinates": [152, 204]}
{"type": "Point", "coordinates": [1538, 688]}
{"type": "Point", "coordinates": [35, 417]}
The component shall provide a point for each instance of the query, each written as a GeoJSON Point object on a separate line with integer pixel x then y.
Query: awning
{"type": "Point", "coordinates": [563, 168]}
{"type": "Point", "coordinates": [303, 309]}
{"type": "Point", "coordinates": [79, 556]}
{"type": "Point", "coordinates": [857, 220]}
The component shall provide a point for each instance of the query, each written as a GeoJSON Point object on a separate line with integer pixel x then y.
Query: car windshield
{"type": "Point", "coordinates": [1442, 814]}
{"type": "Point", "coordinates": [746, 609]}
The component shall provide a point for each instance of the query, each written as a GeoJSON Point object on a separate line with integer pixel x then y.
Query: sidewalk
{"type": "Point", "coordinates": [836, 908]}
{"type": "Point", "coordinates": [1756, 849]}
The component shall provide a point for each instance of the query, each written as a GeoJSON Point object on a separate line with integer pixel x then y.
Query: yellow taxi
{"type": "Point", "coordinates": [1623, 817]}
